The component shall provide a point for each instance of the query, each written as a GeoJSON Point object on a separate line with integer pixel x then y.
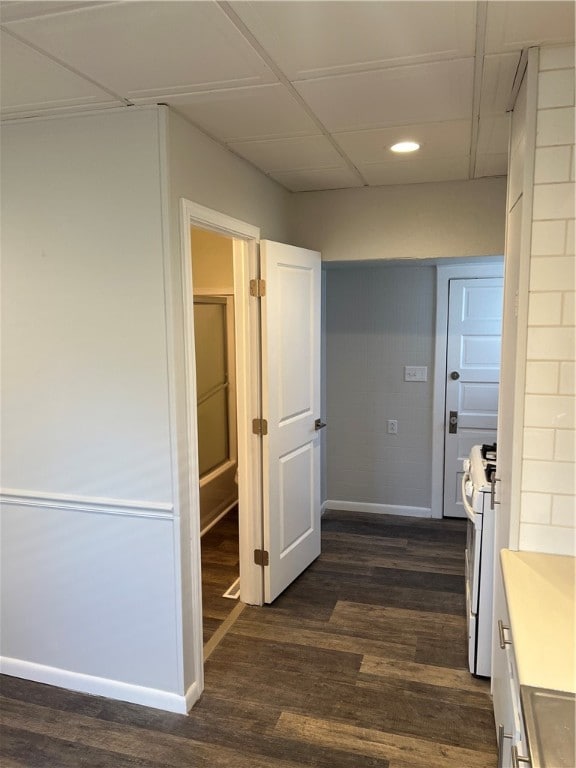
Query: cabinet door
{"type": "Point", "coordinates": [502, 693]}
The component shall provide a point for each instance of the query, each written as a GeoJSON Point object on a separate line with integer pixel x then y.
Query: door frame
{"type": "Point", "coordinates": [490, 266]}
{"type": "Point", "coordinates": [245, 238]}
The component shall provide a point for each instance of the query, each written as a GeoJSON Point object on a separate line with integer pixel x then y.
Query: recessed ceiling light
{"type": "Point", "coordinates": [405, 146]}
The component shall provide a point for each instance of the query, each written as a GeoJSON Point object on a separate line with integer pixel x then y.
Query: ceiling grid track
{"type": "Point", "coordinates": [243, 29]}
{"type": "Point", "coordinates": [481, 14]}
{"type": "Point", "coordinates": [67, 67]}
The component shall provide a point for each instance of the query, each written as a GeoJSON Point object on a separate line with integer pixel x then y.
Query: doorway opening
{"type": "Point", "coordinates": [214, 340]}
{"type": "Point", "coordinates": [245, 453]}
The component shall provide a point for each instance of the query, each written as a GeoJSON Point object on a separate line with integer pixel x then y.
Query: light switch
{"type": "Point", "coordinates": [415, 373]}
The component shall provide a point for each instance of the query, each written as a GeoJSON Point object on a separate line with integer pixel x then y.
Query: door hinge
{"type": "Point", "coordinates": [258, 288]}
{"type": "Point", "coordinates": [260, 427]}
{"type": "Point", "coordinates": [261, 557]}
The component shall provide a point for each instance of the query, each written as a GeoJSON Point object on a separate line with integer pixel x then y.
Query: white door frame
{"type": "Point", "coordinates": [247, 321]}
{"type": "Point", "coordinates": [443, 276]}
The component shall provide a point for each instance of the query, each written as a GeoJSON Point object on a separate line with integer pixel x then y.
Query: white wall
{"type": "Point", "coordinates": [89, 579]}
{"type": "Point", "coordinates": [379, 319]}
{"type": "Point", "coordinates": [548, 501]}
{"type": "Point", "coordinates": [96, 529]}
{"type": "Point", "coordinates": [204, 172]}
{"type": "Point", "coordinates": [413, 221]}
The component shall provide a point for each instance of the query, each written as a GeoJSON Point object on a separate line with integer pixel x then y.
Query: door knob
{"type": "Point", "coordinates": [453, 422]}
{"type": "Point", "coordinates": [319, 424]}
{"type": "Point", "coordinates": [455, 375]}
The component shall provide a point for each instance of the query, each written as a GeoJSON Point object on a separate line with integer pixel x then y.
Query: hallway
{"type": "Point", "coordinates": [361, 663]}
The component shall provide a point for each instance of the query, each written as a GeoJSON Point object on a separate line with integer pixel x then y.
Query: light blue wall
{"type": "Point", "coordinates": [379, 319]}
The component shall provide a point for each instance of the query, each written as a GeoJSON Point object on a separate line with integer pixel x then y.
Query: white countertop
{"type": "Point", "coordinates": [540, 592]}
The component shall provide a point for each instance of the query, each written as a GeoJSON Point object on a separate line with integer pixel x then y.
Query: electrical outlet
{"type": "Point", "coordinates": [392, 427]}
{"type": "Point", "coordinates": [415, 373]}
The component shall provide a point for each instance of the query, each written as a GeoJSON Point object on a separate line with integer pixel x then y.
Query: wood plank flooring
{"type": "Point", "coordinates": [361, 663]}
{"type": "Point", "coordinates": [220, 568]}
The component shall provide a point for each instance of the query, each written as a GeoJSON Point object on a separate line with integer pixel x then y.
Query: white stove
{"type": "Point", "coordinates": [478, 483]}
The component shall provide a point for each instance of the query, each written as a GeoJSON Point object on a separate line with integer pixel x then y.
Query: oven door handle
{"type": "Point", "coordinates": [470, 514]}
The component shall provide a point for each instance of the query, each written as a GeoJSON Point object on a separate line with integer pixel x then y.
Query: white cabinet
{"type": "Point", "coordinates": [512, 743]}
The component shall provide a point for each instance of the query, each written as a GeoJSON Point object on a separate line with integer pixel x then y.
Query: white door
{"type": "Point", "coordinates": [291, 406]}
{"type": "Point", "coordinates": [472, 376]}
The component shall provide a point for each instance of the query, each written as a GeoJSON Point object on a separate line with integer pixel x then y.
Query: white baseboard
{"type": "Point", "coordinates": [377, 509]}
{"type": "Point", "coordinates": [323, 508]}
{"type": "Point", "coordinates": [100, 686]}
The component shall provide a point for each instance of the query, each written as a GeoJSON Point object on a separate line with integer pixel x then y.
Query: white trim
{"type": "Point", "coordinates": [100, 686]}
{"type": "Point", "coordinates": [199, 216]}
{"type": "Point", "coordinates": [245, 262]}
{"type": "Point", "coordinates": [323, 507]}
{"type": "Point", "coordinates": [493, 267]}
{"type": "Point", "coordinates": [523, 295]}
{"type": "Point", "coordinates": [377, 509]}
{"type": "Point", "coordinates": [95, 504]}
{"type": "Point", "coordinates": [249, 407]}
{"type": "Point", "coordinates": [179, 480]}
{"type": "Point", "coordinates": [192, 695]}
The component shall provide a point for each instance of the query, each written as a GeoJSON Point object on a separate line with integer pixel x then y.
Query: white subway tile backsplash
{"type": "Point", "coordinates": [567, 379]}
{"type": "Point", "coordinates": [553, 201]}
{"type": "Point", "coordinates": [548, 476]}
{"type": "Point", "coordinates": [569, 248]}
{"type": "Point", "coordinates": [555, 126]}
{"type": "Point", "coordinates": [548, 503]}
{"type": "Point", "coordinates": [548, 238]}
{"type": "Point", "coordinates": [538, 444]}
{"type": "Point", "coordinates": [554, 273]}
{"type": "Point", "coordinates": [551, 539]}
{"type": "Point", "coordinates": [552, 164]}
{"type": "Point", "coordinates": [553, 343]}
{"type": "Point", "coordinates": [536, 508]}
{"type": "Point", "coordinates": [565, 445]}
{"type": "Point", "coordinates": [568, 313]}
{"type": "Point", "coordinates": [563, 511]}
{"type": "Point", "coordinates": [556, 57]}
{"type": "Point", "coordinates": [542, 377]}
{"type": "Point", "coordinates": [545, 309]}
{"type": "Point", "coordinates": [556, 89]}
{"type": "Point", "coordinates": [549, 411]}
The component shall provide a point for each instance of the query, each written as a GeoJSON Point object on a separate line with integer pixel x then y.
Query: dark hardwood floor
{"type": "Point", "coordinates": [220, 568]}
{"type": "Point", "coordinates": [361, 663]}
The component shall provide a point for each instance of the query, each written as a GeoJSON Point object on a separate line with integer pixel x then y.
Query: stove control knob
{"type": "Point", "coordinates": [455, 375]}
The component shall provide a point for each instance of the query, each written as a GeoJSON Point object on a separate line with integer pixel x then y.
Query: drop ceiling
{"type": "Point", "coordinates": [311, 93]}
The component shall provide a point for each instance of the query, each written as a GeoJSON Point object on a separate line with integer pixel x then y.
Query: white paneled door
{"type": "Point", "coordinates": [291, 405]}
{"type": "Point", "coordinates": [472, 376]}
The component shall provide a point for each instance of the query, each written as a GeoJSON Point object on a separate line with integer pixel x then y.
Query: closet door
{"type": "Point", "coordinates": [291, 405]}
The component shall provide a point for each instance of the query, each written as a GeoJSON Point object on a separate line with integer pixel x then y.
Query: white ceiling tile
{"type": "Point", "coordinates": [415, 170]}
{"type": "Point", "coordinates": [31, 82]}
{"type": "Point", "coordinates": [511, 26]}
{"type": "Point", "coordinates": [400, 96]}
{"type": "Point", "coordinates": [493, 133]}
{"type": "Point", "coordinates": [372, 146]}
{"type": "Point", "coordinates": [491, 165]}
{"type": "Point", "coordinates": [497, 80]}
{"type": "Point", "coordinates": [313, 39]}
{"type": "Point", "coordinates": [289, 154]}
{"type": "Point", "coordinates": [264, 111]}
{"type": "Point", "coordinates": [317, 179]}
{"type": "Point", "coordinates": [138, 49]}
